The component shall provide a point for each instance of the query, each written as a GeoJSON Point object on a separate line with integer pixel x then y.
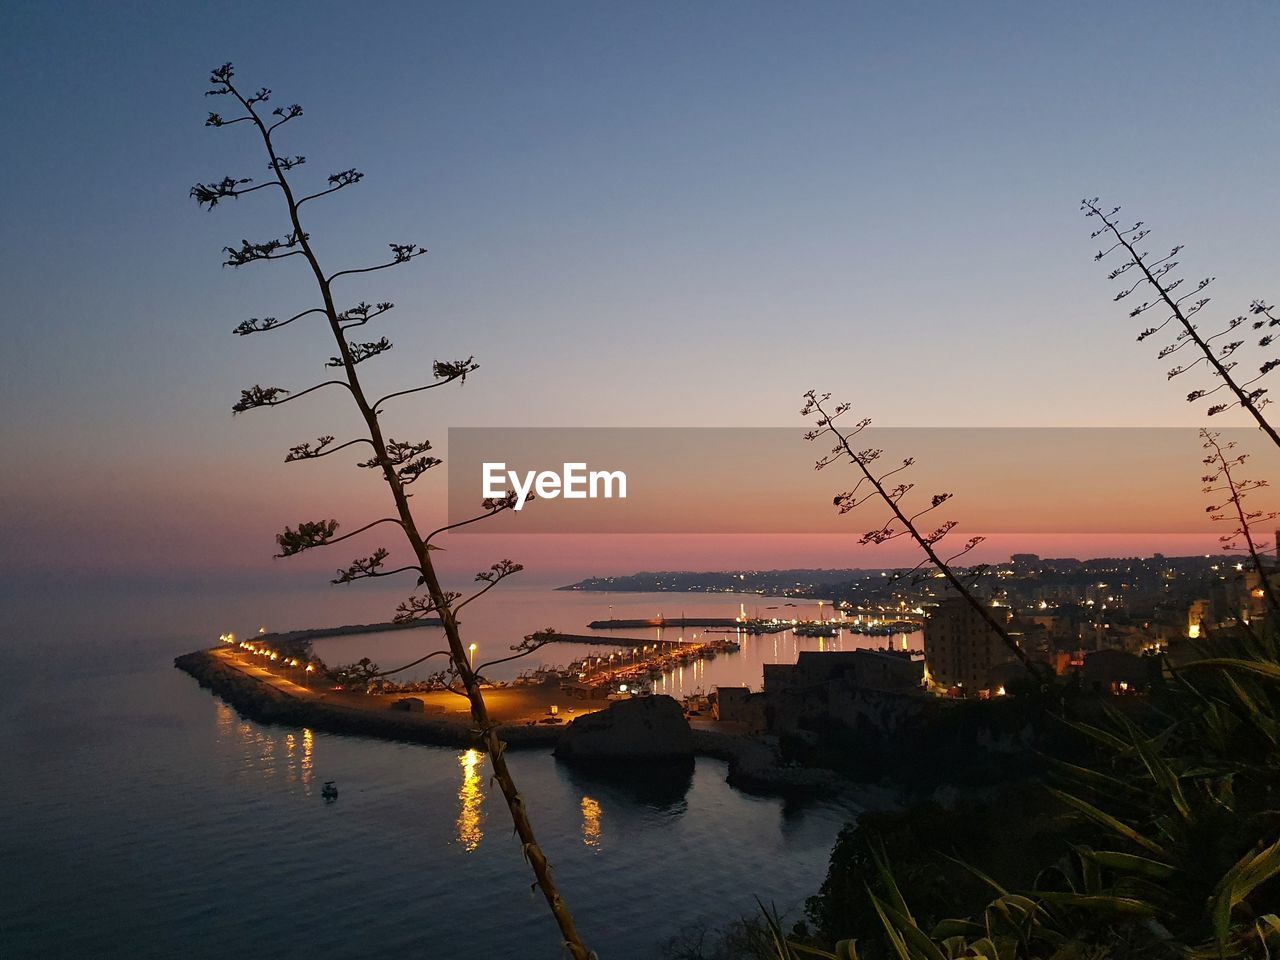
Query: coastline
{"type": "Point", "coordinates": [266, 698]}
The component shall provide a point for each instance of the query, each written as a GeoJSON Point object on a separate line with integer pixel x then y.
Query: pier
{"type": "Point", "coordinates": [665, 622]}
{"type": "Point", "coordinates": [633, 670]}
{"type": "Point", "coordinates": [624, 671]}
{"type": "Point", "coordinates": [611, 641]}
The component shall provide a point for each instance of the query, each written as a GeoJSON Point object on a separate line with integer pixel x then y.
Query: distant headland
{"type": "Point", "coordinates": [778, 582]}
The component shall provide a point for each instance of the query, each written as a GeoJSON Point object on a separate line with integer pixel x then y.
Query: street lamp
{"type": "Point", "coordinates": [472, 650]}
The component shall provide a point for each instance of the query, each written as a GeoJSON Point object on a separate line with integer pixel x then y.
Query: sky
{"type": "Point", "coordinates": [637, 215]}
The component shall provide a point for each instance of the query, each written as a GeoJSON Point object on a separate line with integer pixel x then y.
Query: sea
{"type": "Point", "coordinates": [141, 817]}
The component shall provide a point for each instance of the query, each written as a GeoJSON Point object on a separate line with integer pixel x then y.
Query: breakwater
{"type": "Point", "coordinates": [612, 641]}
{"type": "Point", "coordinates": [351, 629]}
{"type": "Point", "coordinates": [664, 622]}
{"type": "Point", "coordinates": [267, 703]}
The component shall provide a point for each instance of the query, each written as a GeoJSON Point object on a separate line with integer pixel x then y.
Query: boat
{"type": "Point", "coordinates": [816, 630]}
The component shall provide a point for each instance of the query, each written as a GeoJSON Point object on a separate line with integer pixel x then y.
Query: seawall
{"type": "Point", "coordinates": [664, 622]}
{"type": "Point", "coordinates": [266, 703]}
{"type": "Point", "coordinates": [347, 630]}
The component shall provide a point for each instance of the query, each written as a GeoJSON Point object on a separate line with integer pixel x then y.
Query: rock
{"type": "Point", "coordinates": [642, 728]}
{"type": "Point", "coordinates": [411, 704]}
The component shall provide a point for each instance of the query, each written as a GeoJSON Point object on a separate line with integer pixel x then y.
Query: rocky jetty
{"type": "Point", "coordinates": [642, 728]}
{"type": "Point", "coordinates": [266, 703]}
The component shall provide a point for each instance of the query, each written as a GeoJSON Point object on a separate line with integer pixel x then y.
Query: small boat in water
{"type": "Point", "coordinates": [330, 790]}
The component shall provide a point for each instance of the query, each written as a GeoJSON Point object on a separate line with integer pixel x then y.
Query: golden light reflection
{"type": "Point", "coordinates": [308, 744]}
{"type": "Point", "coordinates": [266, 754]}
{"type": "Point", "coordinates": [225, 720]}
{"type": "Point", "coordinates": [590, 822]}
{"type": "Point", "coordinates": [470, 798]}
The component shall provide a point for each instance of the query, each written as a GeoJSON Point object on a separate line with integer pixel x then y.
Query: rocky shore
{"type": "Point", "coordinates": [754, 767]}
{"type": "Point", "coordinates": [753, 762]}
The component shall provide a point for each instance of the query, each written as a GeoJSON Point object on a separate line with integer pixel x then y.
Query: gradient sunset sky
{"type": "Point", "coordinates": [638, 215]}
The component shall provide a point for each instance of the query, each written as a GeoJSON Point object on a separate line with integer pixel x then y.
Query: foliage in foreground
{"type": "Point", "coordinates": [1170, 846]}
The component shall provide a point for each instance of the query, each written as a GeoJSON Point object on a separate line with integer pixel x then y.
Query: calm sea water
{"type": "Point", "coordinates": [142, 818]}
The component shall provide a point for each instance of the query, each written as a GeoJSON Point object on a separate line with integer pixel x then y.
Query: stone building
{"type": "Point", "coordinates": [960, 647]}
{"type": "Point", "coordinates": [867, 669]}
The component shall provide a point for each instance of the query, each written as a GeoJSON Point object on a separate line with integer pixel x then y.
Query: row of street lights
{"type": "Point", "coordinates": [271, 656]}
{"type": "Point", "coordinates": [274, 656]}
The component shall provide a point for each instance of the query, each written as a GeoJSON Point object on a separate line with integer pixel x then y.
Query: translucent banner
{"type": "Point", "coordinates": [763, 480]}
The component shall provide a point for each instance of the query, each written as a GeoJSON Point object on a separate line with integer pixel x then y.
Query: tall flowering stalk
{"type": "Point", "coordinates": [1224, 480]}
{"type": "Point", "coordinates": [1138, 270]}
{"type": "Point", "coordinates": [401, 463]}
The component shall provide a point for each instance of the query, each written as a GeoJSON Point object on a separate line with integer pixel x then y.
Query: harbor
{"type": "Point", "coordinates": [624, 673]}
{"type": "Point", "coordinates": [663, 622]}
{"type": "Point", "coordinates": [874, 622]}
{"type": "Point", "coordinates": [505, 617]}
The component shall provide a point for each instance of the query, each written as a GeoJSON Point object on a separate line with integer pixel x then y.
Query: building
{"type": "Point", "coordinates": [866, 669]}
{"type": "Point", "coordinates": [853, 689]}
{"type": "Point", "coordinates": [1247, 596]}
{"type": "Point", "coordinates": [960, 647]}
{"type": "Point", "coordinates": [1118, 672]}
{"type": "Point", "coordinates": [1199, 616]}
{"type": "Point", "coordinates": [739, 705]}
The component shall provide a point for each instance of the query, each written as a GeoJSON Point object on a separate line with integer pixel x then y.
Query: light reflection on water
{"type": "Point", "coordinates": [470, 800]}
{"type": "Point", "coordinates": [256, 748]}
{"type": "Point", "coordinates": [308, 744]}
{"type": "Point", "coordinates": [590, 822]}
